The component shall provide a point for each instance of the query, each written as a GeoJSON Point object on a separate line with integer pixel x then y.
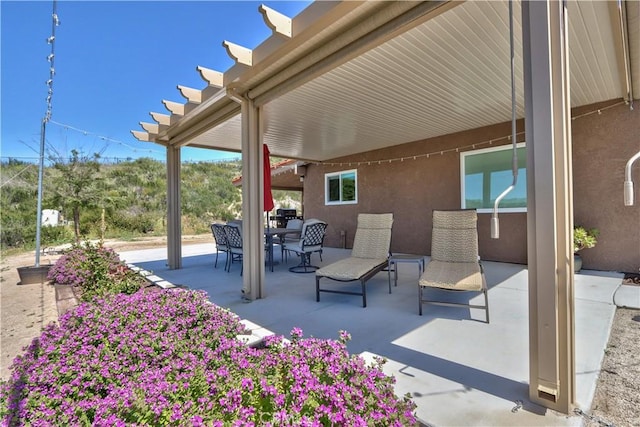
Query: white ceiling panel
{"type": "Point", "coordinates": [446, 75]}
{"type": "Point", "coordinates": [225, 137]}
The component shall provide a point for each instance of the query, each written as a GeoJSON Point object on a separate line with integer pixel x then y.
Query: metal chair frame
{"type": "Point", "coordinates": [221, 241]}
{"type": "Point", "coordinates": [312, 236]}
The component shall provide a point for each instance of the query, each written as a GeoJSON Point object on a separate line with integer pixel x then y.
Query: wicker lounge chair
{"type": "Point", "coordinates": [455, 264]}
{"type": "Point", "coordinates": [369, 255]}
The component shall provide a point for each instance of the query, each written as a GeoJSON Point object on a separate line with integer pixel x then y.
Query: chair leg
{"type": "Point", "coordinates": [317, 288]}
{"type": "Point", "coordinates": [305, 264]}
{"type": "Point", "coordinates": [486, 304]}
{"type": "Point", "coordinates": [419, 300]}
{"type": "Point", "coordinates": [364, 294]}
{"type": "Point", "coordinates": [215, 264]}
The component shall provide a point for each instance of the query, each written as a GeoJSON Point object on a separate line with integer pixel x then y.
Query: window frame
{"type": "Point", "coordinates": [339, 174]}
{"type": "Point", "coordinates": [463, 157]}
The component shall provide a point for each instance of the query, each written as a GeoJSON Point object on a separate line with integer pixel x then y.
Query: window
{"type": "Point", "coordinates": [486, 173]}
{"type": "Point", "coordinates": [341, 187]}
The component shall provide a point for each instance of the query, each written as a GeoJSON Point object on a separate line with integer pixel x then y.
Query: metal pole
{"type": "Point", "coordinates": [39, 208]}
{"type": "Point", "coordinates": [51, 58]}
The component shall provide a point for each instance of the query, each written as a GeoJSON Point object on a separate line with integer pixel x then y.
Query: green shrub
{"type": "Point", "coordinates": [143, 223]}
{"type": "Point", "coordinates": [56, 235]}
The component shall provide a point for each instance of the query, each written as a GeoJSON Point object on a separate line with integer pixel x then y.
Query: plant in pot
{"type": "Point", "coordinates": [583, 238]}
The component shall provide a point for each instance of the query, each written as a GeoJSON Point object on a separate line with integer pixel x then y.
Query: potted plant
{"type": "Point", "coordinates": [583, 238]}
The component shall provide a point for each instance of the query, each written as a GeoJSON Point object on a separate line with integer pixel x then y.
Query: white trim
{"type": "Point", "coordinates": [339, 174]}
{"type": "Point", "coordinates": [463, 156]}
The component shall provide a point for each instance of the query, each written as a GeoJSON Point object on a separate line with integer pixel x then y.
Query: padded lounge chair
{"type": "Point", "coordinates": [455, 264]}
{"type": "Point", "coordinates": [369, 255]}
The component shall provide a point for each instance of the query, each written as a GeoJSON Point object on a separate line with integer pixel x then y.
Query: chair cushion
{"type": "Point", "coordinates": [373, 236]}
{"type": "Point", "coordinates": [236, 251]}
{"type": "Point", "coordinates": [352, 268]}
{"type": "Point", "coordinates": [297, 247]}
{"type": "Point", "coordinates": [454, 245]}
{"type": "Point", "coordinates": [463, 276]}
{"type": "Point", "coordinates": [294, 224]}
{"type": "Point", "coordinates": [454, 236]}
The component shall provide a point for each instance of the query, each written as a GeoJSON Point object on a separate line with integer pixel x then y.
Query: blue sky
{"type": "Point", "coordinates": [115, 61]}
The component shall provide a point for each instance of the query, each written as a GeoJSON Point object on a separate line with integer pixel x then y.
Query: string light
{"type": "Point", "coordinates": [457, 149]}
{"type": "Point", "coordinates": [104, 138]}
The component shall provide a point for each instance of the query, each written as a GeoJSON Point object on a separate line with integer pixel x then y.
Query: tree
{"type": "Point", "coordinates": [76, 185]}
{"type": "Point", "coordinates": [17, 202]}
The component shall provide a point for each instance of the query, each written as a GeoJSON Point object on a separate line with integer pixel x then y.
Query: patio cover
{"type": "Point", "coordinates": [421, 69]}
{"type": "Point", "coordinates": [348, 77]}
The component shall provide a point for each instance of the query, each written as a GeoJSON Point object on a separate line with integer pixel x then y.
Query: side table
{"type": "Point", "coordinates": [395, 259]}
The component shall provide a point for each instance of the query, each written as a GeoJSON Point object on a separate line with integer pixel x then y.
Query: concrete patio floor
{"type": "Point", "coordinates": [458, 370]}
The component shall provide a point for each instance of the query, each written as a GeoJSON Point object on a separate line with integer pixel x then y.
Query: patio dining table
{"type": "Point", "coordinates": [269, 234]}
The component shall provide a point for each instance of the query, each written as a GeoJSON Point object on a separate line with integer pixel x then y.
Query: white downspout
{"type": "Point", "coordinates": [628, 183]}
{"type": "Point", "coordinates": [495, 224]}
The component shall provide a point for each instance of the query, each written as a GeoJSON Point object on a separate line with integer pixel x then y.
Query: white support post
{"type": "Point", "coordinates": [252, 202]}
{"type": "Point", "coordinates": [549, 205]}
{"type": "Point", "coordinates": [174, 232]}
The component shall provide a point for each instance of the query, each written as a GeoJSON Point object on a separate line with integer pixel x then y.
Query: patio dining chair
{"type": "Point", "coordinates": [369, 256]}
{"type": "Point", "coordinates": [455, 262]}
{"type": "Point", "coordinates": [311, 240]}
{"type": "Point", "coordinates": [221, 241]}
{"type": "Point", "coordinates": [234, 242]}
{"type": "Point", "coordinates": [292, 224]}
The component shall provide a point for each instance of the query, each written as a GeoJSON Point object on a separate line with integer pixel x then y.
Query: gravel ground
{"type": "Point", "coordinates": [27, 309]}
{"type": "Point", "coordinates": [617, 397]}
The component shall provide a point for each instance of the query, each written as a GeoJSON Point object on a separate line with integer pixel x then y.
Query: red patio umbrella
{"type": "Point", "coordinates": [268, 197]}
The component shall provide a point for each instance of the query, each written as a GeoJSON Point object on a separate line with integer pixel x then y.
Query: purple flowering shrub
{"type": "Point", "coordinates": [96, 270]}
{"type": "Point", "coordinates": [172, 358]}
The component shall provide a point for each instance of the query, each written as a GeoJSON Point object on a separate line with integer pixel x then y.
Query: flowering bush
{"type": "Point", "coordinates": [96, 270]}
{"type": "Point", "coordinates": [172, 358]}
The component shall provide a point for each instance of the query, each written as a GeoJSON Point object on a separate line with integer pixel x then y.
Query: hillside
{"type": "Point", "coordinates": [115, 200]}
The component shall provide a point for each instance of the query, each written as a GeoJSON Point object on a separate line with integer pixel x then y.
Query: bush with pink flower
{"type": "Point", "coordinates": [173, 358]}
{"type": "Point", "coordinates": [95, 270]}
